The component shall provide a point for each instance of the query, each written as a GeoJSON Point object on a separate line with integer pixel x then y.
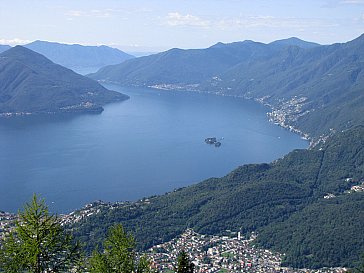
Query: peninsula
{"type": "Point", "coordinates": [32, 84]}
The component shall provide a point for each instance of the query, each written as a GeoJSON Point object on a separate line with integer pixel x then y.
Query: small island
{"type": "Point", "coordinates": [213, 141]}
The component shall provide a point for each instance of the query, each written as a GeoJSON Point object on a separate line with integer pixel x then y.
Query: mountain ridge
{"type": "Point", "coordinates": [314, 75]}
{"type": "Point", "coordinates": [182, 66]}
{"type": "Point", "coordinates": [235, 52]}
{"type": "Point", "coordinates": [30, 83]}
{"type": "Point", "coordinates": [294, 41]}
{"type": "Point", "coordinates": [4, 48]}
{"type": "Point", "coordinates": [76, 56]}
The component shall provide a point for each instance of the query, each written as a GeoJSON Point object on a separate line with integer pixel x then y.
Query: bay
{"type": "Point", "coordinates": [150, 144]}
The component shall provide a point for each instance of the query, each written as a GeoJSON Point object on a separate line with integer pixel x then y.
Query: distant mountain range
{"type": "Point", "coordinates": [79, 57]}
{"type": "Point", "coordinates": [4, 48]}
{"type": "Point", "coordinates": [308, 205]}
{"type": "Point", "coordinates": [311, 88]}
{"type": "Point", "coordinates": [193, 66]}
{"type": "Point", "coordinates": [30, 83]}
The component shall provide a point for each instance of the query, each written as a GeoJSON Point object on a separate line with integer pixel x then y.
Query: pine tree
{"type": "Point", "coordinates": [38, 243]}
{"type": "Point", "coordinates": [184, 265]}
{"type": "Point", "coordinates": [118, 255]}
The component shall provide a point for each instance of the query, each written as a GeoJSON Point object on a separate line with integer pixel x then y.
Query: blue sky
{"type": "Point", "coordinates": [148, 25]}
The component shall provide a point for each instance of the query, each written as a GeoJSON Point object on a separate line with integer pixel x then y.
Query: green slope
{"type": "Point", "coordinates": [251, 198]}
{"type": "Point", "coordinates": [330, 78]}
{"type": "Point", "coordinates": [326, 233]}
{"type": "Point", "coordinates": [30, 83]}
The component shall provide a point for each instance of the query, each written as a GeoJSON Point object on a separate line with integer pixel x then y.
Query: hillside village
{"type": "Point", "coordinates": [229, 253]}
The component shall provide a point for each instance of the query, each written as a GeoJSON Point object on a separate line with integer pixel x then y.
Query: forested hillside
{"type": "Point", "coordinates": [263, 198]}
{"type": "Point", "coordinates": [31, 83]}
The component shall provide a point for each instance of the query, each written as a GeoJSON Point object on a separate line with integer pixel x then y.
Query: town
{"type": "Point", "coordinates": [229, 253]}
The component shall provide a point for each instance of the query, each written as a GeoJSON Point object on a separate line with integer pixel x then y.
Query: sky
{"type": "Point", "coordinates": [157, 25]}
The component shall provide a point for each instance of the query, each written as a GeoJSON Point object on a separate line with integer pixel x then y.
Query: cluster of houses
{"type": "Point", "coordinates": [231, 253]}
{"type": "Point", "coordinates": [7, 221]}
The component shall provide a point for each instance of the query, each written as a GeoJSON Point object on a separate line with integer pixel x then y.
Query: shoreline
{"type": "Point", "coordinates": [272, 114]}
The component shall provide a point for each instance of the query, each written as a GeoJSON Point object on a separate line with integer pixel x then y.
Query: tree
{"type": "Point", "coordinates": [118, 254]}
{"type": "Point", "coordinates": [184, 265]}
{"type": "Point", "coordinates": [38, 243]}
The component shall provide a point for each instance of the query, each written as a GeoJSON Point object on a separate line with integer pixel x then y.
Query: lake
{"type": "Point", "coordinates": [150, 144]}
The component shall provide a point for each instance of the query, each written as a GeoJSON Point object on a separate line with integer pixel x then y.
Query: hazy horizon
{"type": "Point", "coordinates": [151, 26]}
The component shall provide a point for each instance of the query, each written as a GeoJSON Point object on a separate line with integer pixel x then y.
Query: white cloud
{"type": "Point", "coordinates": [264, 21]}
{"type": "Point", "coordinates": [338, 3]}
{"type": "Point", "coordinates": [352, 2]}
{"type": "Point", "coordinates": [177, 19]}
{"type": "Point", "coordinates": [96, 13]}
{"type": "Point", "coordinates": [246, 22]}
{"type": "Point", "coordinates": [13, 42]}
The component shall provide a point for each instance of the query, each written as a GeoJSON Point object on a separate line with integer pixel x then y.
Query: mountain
{"type": "Point", "coordinates": [300, 237]}
{"type": "Point", "coordinates": [186, 67]}
{"type": "Point", "coordinates": [78, 57]}
{"type": "Point", "coordinates": [177, 66]}
{"type": "Point", "coordinates": [317, 90]}
{"type": "Point", "coordinates": [283, 201]}
{"type": "Point", "coordinates": [30, 83]}
{"type": "Point", "coordinates": [4, 48]}
{"type": "Point", "coordinates": [312, 89]}
{"type": "Point", "coordinates": [294, 41]}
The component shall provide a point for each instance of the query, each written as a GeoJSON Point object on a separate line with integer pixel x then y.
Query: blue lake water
{"type": "Point", "coordinates": [149, 144]}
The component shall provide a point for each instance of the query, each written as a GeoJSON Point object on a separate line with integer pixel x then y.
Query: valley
{"type": "Point", "coordinates": [305, 203]}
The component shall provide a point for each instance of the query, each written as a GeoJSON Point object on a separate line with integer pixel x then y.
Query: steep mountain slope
{"type": "Point", "coordinates": [4, 48]}
{"type": "Point", "coordinates": [30, 83]}
{"type": "Point", "coordinates": [259, 198]}
{"type": "Point", "coordinates": [77, 57]}
{"type": "Point", "coordinates": [312, 89]}
{"type": "Point", "coordinates": [314, 236]}
{"type": "Point", "coordinates": [185, 67]}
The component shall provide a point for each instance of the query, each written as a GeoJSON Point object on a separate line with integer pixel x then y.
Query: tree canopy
{"type": "Point", "coordinates": [38, 243]}
{"type": "Point", "coordinates": [184, 265]}
{"type": "Point", "coordinates": [118, 254]}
